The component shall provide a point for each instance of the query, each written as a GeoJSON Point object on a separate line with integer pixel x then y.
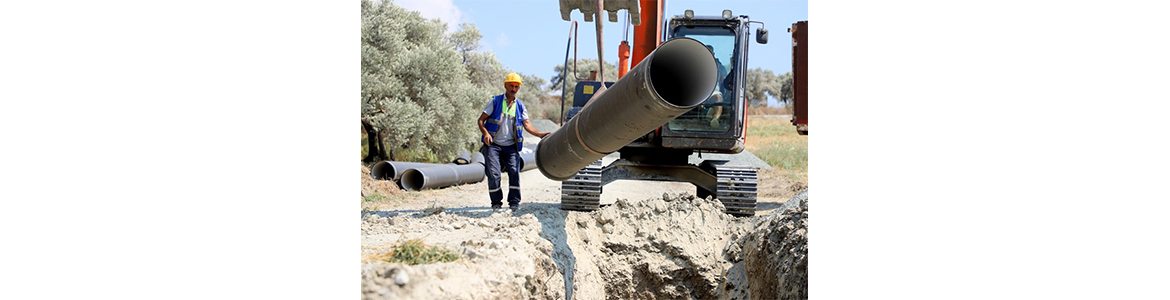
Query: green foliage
{"type": "Point", "coordinates": [584, 66]}
{"type": "Point", "coordinates": [415, 252]}
{"type": "Point", "coordinates": [423, 89]}
{"type": "Point", "coordinates": [761, 83]}
{"type": "Point", "coordinates": [374, 197]}
{"type": "Point", "coordinates": [414, 85]}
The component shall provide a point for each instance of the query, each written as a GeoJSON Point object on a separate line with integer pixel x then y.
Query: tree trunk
{"type": "Point", "coordinates": [374, 141]}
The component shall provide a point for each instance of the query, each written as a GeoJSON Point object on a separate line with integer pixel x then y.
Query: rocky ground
{"type": "Point", "coordinates": [656, 241]}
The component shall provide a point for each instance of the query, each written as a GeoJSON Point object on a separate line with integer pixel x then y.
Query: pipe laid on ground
{"type": "Point", "coordinates": [392, 170]}
{"type": "Point", "coordinates": [676, 77]}
{"type": "Point", "coordinates": [477, 158]}
{"type": "Point", "coordinates": [463, 158]}
{"type": "Point", "coordinates": [441, 176]}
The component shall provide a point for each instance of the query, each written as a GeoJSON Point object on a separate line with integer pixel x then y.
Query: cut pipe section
{"type": "Point", "coordinates": [392, 170]}
{"type": "Point", "coordinates": [463, 158]}
{"type": "Point", "coordinates": [441, 176]}
{"type": "Point", "coordinates": [676, 77]}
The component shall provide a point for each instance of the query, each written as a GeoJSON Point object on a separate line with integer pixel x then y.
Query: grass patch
{"type": "Point", "coordinates": [415, 252]}
{"type": "Point", "coordinates": [374, 197]}
{"type": "Point", "coordinates": [775, 141]}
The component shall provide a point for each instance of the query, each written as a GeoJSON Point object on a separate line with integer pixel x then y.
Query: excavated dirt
{"type": "Point", "coordinates": [650, 240]}
{"type": "Point", "coordinates": [668, 247]}
{"type": "Point", "coordinates": [371, 186]}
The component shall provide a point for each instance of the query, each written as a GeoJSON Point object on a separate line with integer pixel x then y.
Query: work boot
{"type": "Point", "coordinates": [497, 207]}
{"type": "Point", "coordinates": [514, 207]}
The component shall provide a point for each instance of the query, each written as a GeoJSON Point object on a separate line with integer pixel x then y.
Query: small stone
{"type": "Point", "coordinates": [498, 244]}
{"type": "Point", "coordinates": [472, 254]}
{"type": "Point", "coordinates": [398, 275]}
{"type": "Point", "coordinates": [659, 207]}
{"type": "Point", "coordinates": [583, 223]}
{"type": "Point", "coordinates": [608, 228]}
{"type": "Point", "coordinates": [459, 225]}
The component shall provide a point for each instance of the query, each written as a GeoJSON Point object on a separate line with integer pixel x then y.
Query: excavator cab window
{"type": "Point", "coordinates": [714, 114]}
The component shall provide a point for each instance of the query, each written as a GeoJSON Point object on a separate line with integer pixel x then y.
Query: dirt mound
{"type": "Point", "coordinates": [665, 248]}
{"type": "Point", "coordinates": [502, 257]}
{"type": "Point", "coordinates": [669, 247]}
{"type": "Point", "coordinates": [371, 186]}
{"type": "Point", "coordinates": [773, 257]}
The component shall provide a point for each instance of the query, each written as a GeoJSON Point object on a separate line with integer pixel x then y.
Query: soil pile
{"type": "Point", "coordinates": [503, 257]}
{"type": "Point", "coordinates": [773, 257]}
{"type": "Point", "coordinates": [371, 186]}
{"type": "Point", "coordinates": [663, 248]}
{"type": "Point", "coordinates": [668, 247]}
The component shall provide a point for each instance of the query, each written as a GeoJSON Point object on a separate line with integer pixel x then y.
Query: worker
{"type": "Point", "coordinates": [499, 125]}
{"type": "Point", "coordinates": [714, 104]}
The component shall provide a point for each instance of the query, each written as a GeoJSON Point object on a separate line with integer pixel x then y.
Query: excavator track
{"type": "Point", "coordinates": [737, 189]}
{"type": "Point", "coordinates": [583, 191]}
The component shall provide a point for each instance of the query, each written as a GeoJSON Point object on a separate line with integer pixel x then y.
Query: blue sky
{"type": "Point", "coordinates": [530, 36]}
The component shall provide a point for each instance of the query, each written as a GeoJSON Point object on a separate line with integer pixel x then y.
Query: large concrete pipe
{"type": "Point", "coordinates": [676, 77]}
{"type": "Point", "coordinates": [441, 176]}
{"type": "Point", "coordinates": [392, 170]}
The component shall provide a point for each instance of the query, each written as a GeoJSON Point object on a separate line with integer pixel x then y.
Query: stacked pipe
{"type": "Point", "coordinates": [676, 77]}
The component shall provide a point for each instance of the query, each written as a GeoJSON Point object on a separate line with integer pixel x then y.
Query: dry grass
{"type": "Point", "coordinates": [413, 252]}
{"type": "Point", "coordinates": [774, 140]}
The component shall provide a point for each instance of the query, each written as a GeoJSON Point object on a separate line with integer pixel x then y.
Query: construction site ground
{"type": "Point", "coordinates": [650, 240]}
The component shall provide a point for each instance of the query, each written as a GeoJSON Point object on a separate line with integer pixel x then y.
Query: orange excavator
{"type": "Point", "coordinates": [684, 94]}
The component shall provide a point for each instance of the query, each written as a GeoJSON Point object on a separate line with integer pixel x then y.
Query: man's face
{"type": "Point", "coordinates": [511, 89]}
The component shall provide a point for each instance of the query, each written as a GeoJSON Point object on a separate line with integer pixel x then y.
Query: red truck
{"type": "Point", "coordinates": [799, 32]}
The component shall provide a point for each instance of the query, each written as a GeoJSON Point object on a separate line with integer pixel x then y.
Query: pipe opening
{"type": "Point", "coordinates": [412, 180]}
{"type": "Point", "coordinates": [382, 171]}
{"type": "Point", "coordinates": [683, 72]}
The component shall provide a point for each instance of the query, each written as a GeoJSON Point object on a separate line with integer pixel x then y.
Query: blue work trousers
{"type": "Point", "coordinates": [502, 157]}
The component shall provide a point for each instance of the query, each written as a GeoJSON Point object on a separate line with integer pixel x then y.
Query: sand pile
{"type": "Point", "coordinates": [772, 260]}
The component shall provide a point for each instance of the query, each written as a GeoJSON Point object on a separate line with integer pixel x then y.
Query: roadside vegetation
{"type": "Point", "coordinates": [774, 140]}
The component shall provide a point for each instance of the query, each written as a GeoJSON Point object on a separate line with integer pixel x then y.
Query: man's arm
{"type": "Point", "coordinates": [528, 127]}
{"type": "Point", "coordinates": [487, 138]}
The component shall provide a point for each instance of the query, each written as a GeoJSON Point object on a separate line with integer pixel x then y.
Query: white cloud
{"type": "Point", "coordinates": [444, 10]}
{"type": "Point", "coordinates": [503, 40]}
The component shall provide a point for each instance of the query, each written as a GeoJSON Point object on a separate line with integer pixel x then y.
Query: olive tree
{"type": "Point", "coordinates": [416, 93]}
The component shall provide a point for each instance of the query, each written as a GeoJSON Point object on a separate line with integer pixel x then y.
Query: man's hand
{"type": "Point", "coordinates": [487, 139]}
{"type": "Point", "coordinates": [542, 134]}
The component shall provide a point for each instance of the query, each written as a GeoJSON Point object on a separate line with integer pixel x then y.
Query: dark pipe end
{"type": "Point", "coordinates": [412, 180]}
{"type": "Point", "coordinates": [683, 72]}
{"type": "Point", "coordinates": [382, 171]}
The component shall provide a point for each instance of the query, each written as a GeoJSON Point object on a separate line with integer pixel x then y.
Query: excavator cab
{"type": "Point", "coordinates": [717, 125]}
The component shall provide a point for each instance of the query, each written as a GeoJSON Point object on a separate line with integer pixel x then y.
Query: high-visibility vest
{"type": "Point", "coordinates": [492, 124]}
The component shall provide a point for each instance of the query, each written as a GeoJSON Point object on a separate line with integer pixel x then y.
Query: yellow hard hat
{"type": "Point", "coordinates": [513, 77]}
